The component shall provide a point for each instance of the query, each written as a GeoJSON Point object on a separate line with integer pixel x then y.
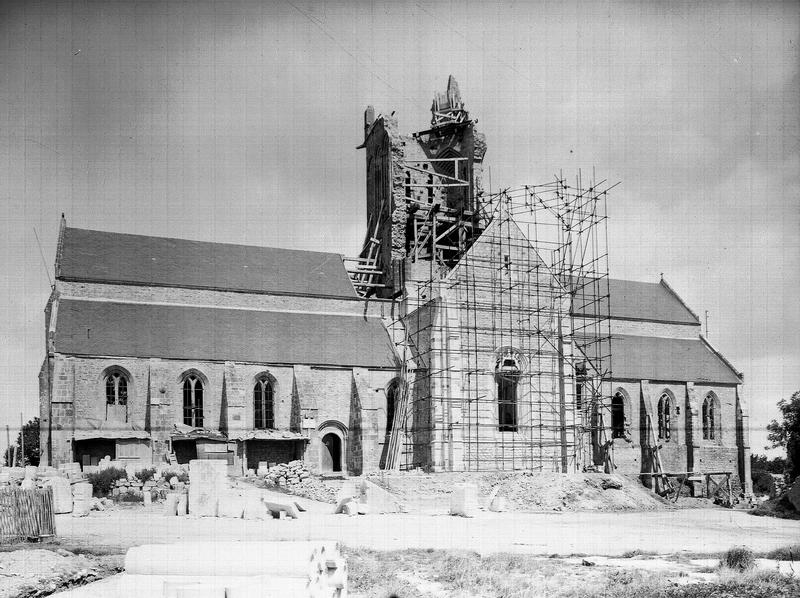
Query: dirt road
{"type": "Point", "coordinates": [692, 530]}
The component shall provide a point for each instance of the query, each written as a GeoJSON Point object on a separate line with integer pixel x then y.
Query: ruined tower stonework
{"type": "Point", "coordinates": [474, 332]}
{"type": "Point", "coordinates": [424, 191]}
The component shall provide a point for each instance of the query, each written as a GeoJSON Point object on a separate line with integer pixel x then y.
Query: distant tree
{"type": "Point", "coordinates": [786, 434]}
{"type": "Point", "coordinates": [762, 463]}
{"type": "Point", "coordinates": [32, 452]}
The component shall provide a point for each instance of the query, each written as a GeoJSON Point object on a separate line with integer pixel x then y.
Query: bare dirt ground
{"type": "Point", "coordinates": [27, 571]}
{"type": "Point", "coordinates": [698, 531]}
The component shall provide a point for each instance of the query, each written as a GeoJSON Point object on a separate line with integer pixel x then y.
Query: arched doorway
{"type": "Point", "coordinates": [331, 452]}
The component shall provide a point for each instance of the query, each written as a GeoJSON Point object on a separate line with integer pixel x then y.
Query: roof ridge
{"type": "Point", "coordinates": [107, 232]}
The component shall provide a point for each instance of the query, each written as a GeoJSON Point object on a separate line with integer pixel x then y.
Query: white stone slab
{"type": "Point", "coordinates": [81, 499]}
{"type": "Point", "coordinates": [464, 500]}
{"type": "Point", "coordinates": [171, 504]}
{"type": "Point", "coordinates": [231, 505]}
{"type": "Point", "coordinates": [279, 507]}
{"type": "Point", "coordinates": [182, 506]}
{"type": "Point", "coordinates": [207, 483]}
{"type": "Point", "coordinates": [62, 494]}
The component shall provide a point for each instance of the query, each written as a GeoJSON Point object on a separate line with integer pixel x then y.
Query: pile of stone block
{"type": "Point", "coordinates": [294, 477]}
{"type": "Point", "coordinates": [164, 481]}
{"type": "Point", "coordinates": [71, 492]}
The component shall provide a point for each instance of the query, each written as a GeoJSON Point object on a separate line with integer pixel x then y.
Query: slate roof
{"type": "Point", "coordinates": [89, 255]}
{"type": "Point", "coordinates": [211, 334]}
{"type": "Point", "coordinates": [652, 301]}
{"type": "Point", "coordinates": [655, 358]}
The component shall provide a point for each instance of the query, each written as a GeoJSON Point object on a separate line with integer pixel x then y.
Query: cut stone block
{"type": "Point", "coordinates": [464, 500]}
{"type": "Point", "coordinates": [182, 507]}
{"type": "Point", "coordinates": [62, 494]}
{"type": "Point", "coordinates": [207, 483]}
{"type": "Point", "coordinates": [148, 498]}
{"type": "Point", "coordinates": [340, 503]}
{"type": "Point", "coordinates": [277, 507]}
{"type": "Point", "coordinates": [232, 505]}
{"type": "Point", "coordinates": [262, 585]}
{"type": "Point", "coordinates": [228, 558]}
{"type": "Point", "coordinates": [81, 499]}
{"type": "Point", "coordinates": [254, 508]}
{"type": "Point", "coordinates": [378, 499]}
{"type": "Point", "coordinates": [171, 505]}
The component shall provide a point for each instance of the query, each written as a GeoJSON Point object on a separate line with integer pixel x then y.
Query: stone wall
{"type": "Point", "coordinates": [155, 399]}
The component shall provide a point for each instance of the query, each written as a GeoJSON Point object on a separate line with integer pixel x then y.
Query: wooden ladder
{"type": "Point", "coordinates": [400, 411]}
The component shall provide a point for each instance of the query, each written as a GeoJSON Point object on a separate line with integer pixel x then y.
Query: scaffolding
{"type": "Point", "coordinates": [507, 356]}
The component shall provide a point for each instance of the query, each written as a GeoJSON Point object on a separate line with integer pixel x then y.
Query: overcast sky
{"type": "Point", "coordinates": [238, 121]}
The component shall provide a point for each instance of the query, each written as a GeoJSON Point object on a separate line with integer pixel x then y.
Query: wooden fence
{"type": "Point", "coordinates": [26, 514]}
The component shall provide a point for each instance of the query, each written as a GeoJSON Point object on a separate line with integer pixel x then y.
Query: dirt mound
{"type": "Point", "coordinates": [526, 491]}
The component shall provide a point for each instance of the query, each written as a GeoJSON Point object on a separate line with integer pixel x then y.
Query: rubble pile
{"type": "Point", "coordinates": [162, 483]}
{"type": "Point", "coordinates": [296, 479]}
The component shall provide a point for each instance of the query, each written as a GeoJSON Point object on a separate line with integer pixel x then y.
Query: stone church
{"type": "Point", "coordinates": [458, 340]}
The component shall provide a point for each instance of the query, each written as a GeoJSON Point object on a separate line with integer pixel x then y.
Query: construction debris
{"type": "Point", "coordinates": [295, 478]}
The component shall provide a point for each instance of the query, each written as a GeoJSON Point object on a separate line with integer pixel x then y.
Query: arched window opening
{"type": "Point", "coordinates": [263, 404]}
{"type": "Point", "coordinates": [392, 395]}
{"type": "Point", "coordinates": [193, 401]}
{"type": "Point", "coordinates": [664, 417]}
{"type": "Point", "coordinates": [116, 388]}
{"type": "Point", "coordinates": [507, 374]}
{"type": "Point", "coordinates": [618, 416]}
{"type": "Point", "coordinates": [710, 418]}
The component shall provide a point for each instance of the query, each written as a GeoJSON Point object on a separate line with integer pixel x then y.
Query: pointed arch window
{"type": "Point", "coordinates": [193, 401]}
{"type": "Point", "coordinates": [116, 388]}
{"type": "Point", "coordinates": [263, 404]}
{"type": "Point", "coordinates": [618, 418]}
{"type": "Point", "coordinates": [665, 417]}
{"type": "Point", "coordinates": [711, 418]}
{"type": "Point", "coordinates": [507, 375]}
{"type": "Point", "coordinates": [392, 395]}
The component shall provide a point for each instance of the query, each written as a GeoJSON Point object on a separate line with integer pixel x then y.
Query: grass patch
{"type": "Point", "coordinates": [438, 573]}
{"type": "Point", "coordinates": [739, 558]}
{"type": "Point", "coordinates": [784, 553]}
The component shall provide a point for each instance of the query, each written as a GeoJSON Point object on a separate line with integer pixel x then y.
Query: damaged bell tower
{"type": "Point", "coordinates": [424, 197]}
